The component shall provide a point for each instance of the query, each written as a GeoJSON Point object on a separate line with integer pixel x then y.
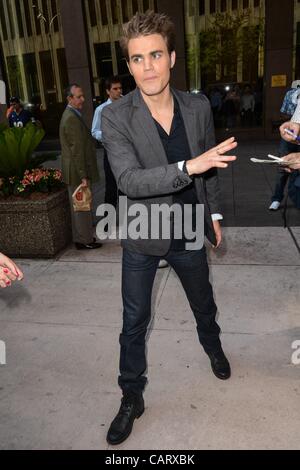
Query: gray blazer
{"type": "Point", "coordinates": [139, 162]}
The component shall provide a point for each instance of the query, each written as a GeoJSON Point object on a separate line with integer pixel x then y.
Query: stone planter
{"type": "Point", "coordinates": [35, 228]}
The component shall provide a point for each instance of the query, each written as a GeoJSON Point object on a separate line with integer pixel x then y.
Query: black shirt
{"type": "Point", "coordinates": [177, 149]}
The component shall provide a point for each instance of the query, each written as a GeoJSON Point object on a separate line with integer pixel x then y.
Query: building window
{"type": "Point", "coordinates": [27, 18]}
{"type": "Point", "coordinates": [201, 7]}
{"type": "Point", "coordinates": [14, 74]}
{"type": "Point", "coordinates": [125, 11]}
{"type": "Point", "coordinates": [103, 59]}
{"type": "Point", "coordinates": [11, 21]}
{"type": "Point", "coordinates": [223, 5]}
{"type": "Point", "coordinates": [256, 3]}
{"type": "Point", "coordinates": [46, 16]}
{"type": "Point", "coordinates": [19, 19]}
{"type": "Point", "coordinates": [135, 6]}
{"type": "Point", "coordinates": [212, 6]}
{"type": "Point", "coordinates": [114, 11]}
{"type": "Point", "coordinates": [37, 22]}
{"type": "Point", "coordinates": [31, 75]}
{"type": "Point", "coordinates": [54, 13]}
{"type": "Point", "coordinates": [92, 12]}
{"type": "Point", "coordinates": [62, 66]}
{"type": "Point", "coordinates": [104, 16]}
{"type": "Point", "coordinates": [245, 4]}
{"type": "Point", "coordinates": [145, 5]}
{"type": "Point", "coordinates": [48, 77]}
{"type": "Point", "coordinates": [234, 4]}
{"type": "Point", "coordinates": [121, 61]}
{"type": "Point", "coordinates": [3, 23]}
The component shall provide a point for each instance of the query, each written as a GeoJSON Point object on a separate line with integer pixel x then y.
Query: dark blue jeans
{"type": "Point", "coordinates": [282, 176]}
{"type": "Point", "coordinates": [137, 281]}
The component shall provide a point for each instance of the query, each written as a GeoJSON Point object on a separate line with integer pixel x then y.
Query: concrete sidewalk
{"type": "Point", "coordinates": [59, 389]}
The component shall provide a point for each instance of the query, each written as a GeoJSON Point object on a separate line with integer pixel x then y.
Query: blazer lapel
{"type": "Point", "coordinates": [189, 117]}
{"type": "Point", "coordinates": [190, 123]}
{"type": "Point", "coordinates": [79, 117]}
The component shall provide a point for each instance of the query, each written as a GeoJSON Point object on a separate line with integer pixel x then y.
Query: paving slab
{"type": "Point", "coordinates": [188, 408]}
{"type": "Point", "coordinates": [250, 299]}
{"type": "Point", "coordinates": [71, 293]}
{"type": "Point", "coordinates": [110, 252]}
{"type": "Point", "coordinates": [60, 391]}
{"type": "Point", "coordinates": [256, 245]}
{"type": "Point", "coordinates": [61, 327]}
{"type": "Point", "coordinates": [54, 385]}
{"type": "Point", "coordinates": [296, 233]}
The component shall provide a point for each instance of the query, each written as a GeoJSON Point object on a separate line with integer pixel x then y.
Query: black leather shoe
{"type": "Point", "coordinates": [132, 407]}
{"type": "Point", "coordinates": [88, 246]}
{"type": "Point", "coordinates": [220, 365]}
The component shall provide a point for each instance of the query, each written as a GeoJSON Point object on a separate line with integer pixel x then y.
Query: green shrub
{"type": "Point", "coordinates": [16, 149]}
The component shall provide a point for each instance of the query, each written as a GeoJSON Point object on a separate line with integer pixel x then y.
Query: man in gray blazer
{"type": "Point", "coordinates": [160, 144]}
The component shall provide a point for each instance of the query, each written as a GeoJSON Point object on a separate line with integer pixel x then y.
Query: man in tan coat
{"type": "Point", "coordinates": [79, 163]}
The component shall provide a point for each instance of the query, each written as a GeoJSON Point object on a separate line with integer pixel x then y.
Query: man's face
{"type": "Point", "coordinates": [150, 63]}
{"type": "Point", "coordinates": [16, 106]}
{"type": "Point", "coordinates": [77, 98]}
{"type": "Point", "coordinates": [115, 92]}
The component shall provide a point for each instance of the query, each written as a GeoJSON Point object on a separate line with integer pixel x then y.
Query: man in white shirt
{"type": "Point", "coordinates": [113, 89]}
{"type": "Point", "coordinates": [293, 125]}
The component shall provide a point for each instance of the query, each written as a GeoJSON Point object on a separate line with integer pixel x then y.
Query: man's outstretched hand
{"type": "Point", "coordinates": [213, 158]}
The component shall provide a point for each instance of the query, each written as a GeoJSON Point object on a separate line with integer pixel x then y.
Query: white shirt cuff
{"type": "Point", "coordinates": [180, 165]}
{"type": "Point", "coordinates": [216, 217]}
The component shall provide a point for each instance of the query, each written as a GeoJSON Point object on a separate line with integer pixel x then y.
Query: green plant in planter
{"type": "Point", "coordinates": [20, 170]}
{"type": "Point", "coordinates": [16, 149]}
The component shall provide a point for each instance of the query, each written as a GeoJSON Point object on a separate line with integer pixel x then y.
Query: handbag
{"type": "Point", "coordinates": [82, 199]}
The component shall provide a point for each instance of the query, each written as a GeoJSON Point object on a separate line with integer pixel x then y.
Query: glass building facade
{"type": "Point", "coordinates": [104, 20]}
{"type": "Point", "coordinates": [224, 46]}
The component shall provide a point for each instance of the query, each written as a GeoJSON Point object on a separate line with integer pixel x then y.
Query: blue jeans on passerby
{"type": "Point", "coordinates": [282, 176]}
{"type": "Point", "coordinates": [138, 275]}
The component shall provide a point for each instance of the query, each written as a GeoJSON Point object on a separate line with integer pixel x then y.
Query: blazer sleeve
{"type": "Point", "coordinates": [132, 179]}
{"type": "Point", "coordinates": [74, 133]}
{"type": "Point", "coordinates": [211, 177]}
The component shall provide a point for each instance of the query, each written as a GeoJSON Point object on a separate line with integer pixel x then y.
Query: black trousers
{"type": "Point", "coordinates": [137, 281]}
{"type": "Point", "coordinates": [111, 189]}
